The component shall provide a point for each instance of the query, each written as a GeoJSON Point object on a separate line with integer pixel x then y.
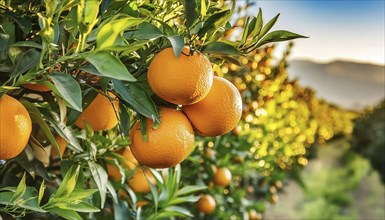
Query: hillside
{"type": "Point", "coordinates": [348, 84]}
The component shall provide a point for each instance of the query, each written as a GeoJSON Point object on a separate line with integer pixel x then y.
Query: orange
{"type": "Point", "coordinates": [254, 215]}
{"type": "Point", "coordinates": [37, 87]}
{"type": "Point", "coordinates": [129, 163]}
{"type": "Point", "coordinates": [222, 177]}
{"type": "Point", "coordinates": [219, 112]}
{"type": "Point", "coordinates": [139, 181]}
{"type": "Point", "coordinates": [62, 144]}
{"type": "Point", "coordinates": [206, 204]}
{"type": "Point", "coordinates": [100, 113]}
{"type": "Point", "coordinates": [183, 80]}
{"type": "Point", "coordinates": [167, 145]}
{"type": "Point", "coordinates": [15, 127]}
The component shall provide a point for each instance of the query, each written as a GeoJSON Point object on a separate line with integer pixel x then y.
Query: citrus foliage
{"type": "Point", "coordinates": [60, 57]}
{"type": "Point", "coordinates": [368, 138]}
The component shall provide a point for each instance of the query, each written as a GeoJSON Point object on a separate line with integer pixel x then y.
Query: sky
{"type": "Point", "coordinates": [350, 30]}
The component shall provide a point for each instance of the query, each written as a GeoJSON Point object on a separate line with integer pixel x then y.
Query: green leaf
{"type": "Point", "coordinates": [36, 117]}
{"type": "Point", "coordinates": [276, 36]}
{"type": "Point", "coordinates": [81, 194]}
{"type": "Point", "coordinates": [20, 190]}
{"type": "Point", "coordinates": [78, 207]}
{"type": "Point", "coordinates": [147, 31]}
{"type": "Point", "coordinates": [100, 177]}
{"type": "Point", "coordinates": [215, 21]}
{"type": "Point", "coordinates": [258, 24]}
{"type": "Point", "coordinates": [184, 199]}
{"type": "Point", "coordinates": [137, 98]}
{"type": "Point", "coordinates": [66, 214]}
{"type": "Point", "coordinates": [68, 184]}
{"type": "Point", "coordinates": [121, 210]}
{"type": "Point", "coordinates": [26, 61]}
{"type": "Point", "coordinates": [177, 43]}
{"type": "Point", "coordinates": [247, 29]}
{"type": "Point", "coordinates": [91, 10]}
{"type": "Point", "coordinates": [124, 120]}
{"type": "Point", "coordinates": [107, 34]}
{"type": "Point", "coordinates": [190, 189]}
{"type": "Point", "coordinates": [174, 211]}
{"type": "Point", "coordinates": [221, 48]}
{"type": "Point", "coordinates": [112, 191]}
{"type": "Point", "coordinates": [68, 88]}
{"type": "Point", "coordinates": [203, 8]}
{"type": "Point", "coordinates": [27, 44]}
{"type": "Point", "coordinates": [190, 11]}
{"type": "Point", "coordinates": [268, 26]}
{"type": "Point", "coordinates": [41, 192]}
{"type": "Point", "coordinates": [109, 66]}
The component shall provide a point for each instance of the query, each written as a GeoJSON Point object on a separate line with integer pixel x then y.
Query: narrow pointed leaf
{"type": "Point", "coordinates": [221, 48]}
{"type": "Point", "coordinates": [100, 177]}
{"type": "Point", "coordinates": [268, 26]}
{"type": "Point", "coordinates": [276, 36]}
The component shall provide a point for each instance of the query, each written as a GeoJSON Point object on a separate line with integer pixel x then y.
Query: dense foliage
{"type": "Point", "coordinates": [78, 48]}
{"type": "Point", "coordinates": [368, 137]}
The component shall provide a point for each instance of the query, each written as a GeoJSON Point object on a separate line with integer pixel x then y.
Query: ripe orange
{"type": "Point", "coordinates": [138, 182]}
{"type": "Point", "coordinates": [222, 177]}
{"type": "Point", "coordinates": [219, 112]}
{"type": "Point", "coordinates": [129, 163]}
{"type": "Point", "coordinates": [183, 80]}
{"type": "Point", "coordinates": [37, 87]}
{"type": "Point", "coordinates": [62, 144]}
{"type": "Point", "coordinates": [254, 215]}
{"type": "Point", "coordinates": [206, 204]}
{"type": "Point", "coordinates": [100, 113]}
{"type": "Point", "coordinates": [15, 127]}
{"type": "Point", "coordinates": [167, 145]}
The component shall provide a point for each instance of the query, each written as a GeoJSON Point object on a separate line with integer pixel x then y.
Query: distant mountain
{"type": "Point", "coordinates": [348, 84]}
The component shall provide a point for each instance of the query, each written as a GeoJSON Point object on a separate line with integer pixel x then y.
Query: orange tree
{"type": "Point", "coordinates": [84, 72]}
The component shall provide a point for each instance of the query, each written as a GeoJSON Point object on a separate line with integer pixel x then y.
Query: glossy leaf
{"type": "Point", "coordinates": [110, 66]}
{"type": "Point", "coordinates": [26, 61]}
{"type": "Point", "coordinates": [68, 88]}
{"type": "Point", "coordinates": [220, 48]}
{"type": "Point", "coordinates": [277, 36]}
{"type": "Point", "coordinates": [66, 214]}
{"type": "Point", "coordinates": [69, 182]}
{"type": "Point", "coordinates": [190, 189]}
{"type": "Point", "coordinates": [137, 98]}
{"type": "Point", "coordinates": [146, 31]}
{"type": "Point", "coordinates": [36, 117]}
{"type": "Point", "coordinates": [100, 177]}
{"type": "Point", "coordinates": [258, 24]}
{"type": "Point", "coordinates": [107, 34]}
{"type": "Point", "coordinates": [177, 43]}
{"type": "Point", "coordinates": [268, 26]}
{"type": "Point", "coordinates": [190, 10]}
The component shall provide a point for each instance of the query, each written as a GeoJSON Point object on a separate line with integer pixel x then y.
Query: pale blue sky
{"type": "Point", "coordinates": [339, 29]}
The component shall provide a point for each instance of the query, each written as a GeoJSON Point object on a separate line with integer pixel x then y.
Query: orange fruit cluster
{"type": "Point", "coordinates": [212, 106]}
